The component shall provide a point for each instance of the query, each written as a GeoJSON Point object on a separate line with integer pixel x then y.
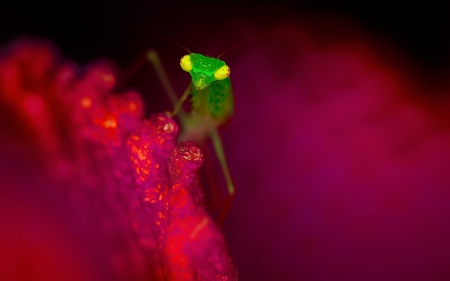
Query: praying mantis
{"type": "Point", "coordinates": [212, 100]}
{"type": "Point", "coordinates": [212, 105]}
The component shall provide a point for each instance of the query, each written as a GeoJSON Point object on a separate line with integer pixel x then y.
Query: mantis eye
{"type": "Point", "coordinates": [222, 73]}
{"type": "Point", "coordinates": [185, 63]}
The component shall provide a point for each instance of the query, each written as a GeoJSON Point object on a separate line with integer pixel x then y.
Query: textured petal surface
{"type": "Point", "coordinates": [86, 190]}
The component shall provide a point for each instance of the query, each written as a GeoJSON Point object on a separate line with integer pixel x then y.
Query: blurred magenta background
{"type": "Point", "coordinates": [339, 147]}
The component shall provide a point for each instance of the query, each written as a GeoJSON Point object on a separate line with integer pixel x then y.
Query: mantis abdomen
{"type": "Point", "coordinates": [216, 100]}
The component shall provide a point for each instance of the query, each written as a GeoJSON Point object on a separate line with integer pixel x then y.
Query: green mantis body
{"type": "Point", "coordinates": [212, 105]}
{"type": "Point", "coordinates": [215, 101]}
{"type": "Point", "coordinates": [211, 92]}
{"type": "Point", "coordinates": [212, 98]}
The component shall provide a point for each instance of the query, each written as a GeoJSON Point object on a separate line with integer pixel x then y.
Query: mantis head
{"type": "Point", "coordinates": [204, 70]}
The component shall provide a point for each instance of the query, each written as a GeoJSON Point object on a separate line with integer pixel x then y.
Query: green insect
{"type": "Point", "coordinates": [212, 105]}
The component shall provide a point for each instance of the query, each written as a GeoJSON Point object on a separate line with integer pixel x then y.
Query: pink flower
{"type": "Point", "coordinates": [87, 190]}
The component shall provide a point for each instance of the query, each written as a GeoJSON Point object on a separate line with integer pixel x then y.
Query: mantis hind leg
{"type": "Point", "coordinates": [183, 98]}
{"type": "Point", "coordinates": [154, 59]}
{"type": "Point", "coordinates": [218, 148]}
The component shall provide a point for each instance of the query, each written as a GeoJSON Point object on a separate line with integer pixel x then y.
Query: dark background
{"type": "Point", "coordinates": [85, 30]}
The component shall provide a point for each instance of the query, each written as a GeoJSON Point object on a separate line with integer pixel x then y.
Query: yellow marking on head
{"type": "Point", "coordinates": [185, 63]}
{"type": "Point", "coordinates": [222, 73]}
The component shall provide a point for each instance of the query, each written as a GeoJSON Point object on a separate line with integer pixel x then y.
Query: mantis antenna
{"type": "Point", "coordinates": [143, 30]}
{"type": "Point", "coordinates": [170, 40]}
{"type": "Point", "coordinates": [256, 37]}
